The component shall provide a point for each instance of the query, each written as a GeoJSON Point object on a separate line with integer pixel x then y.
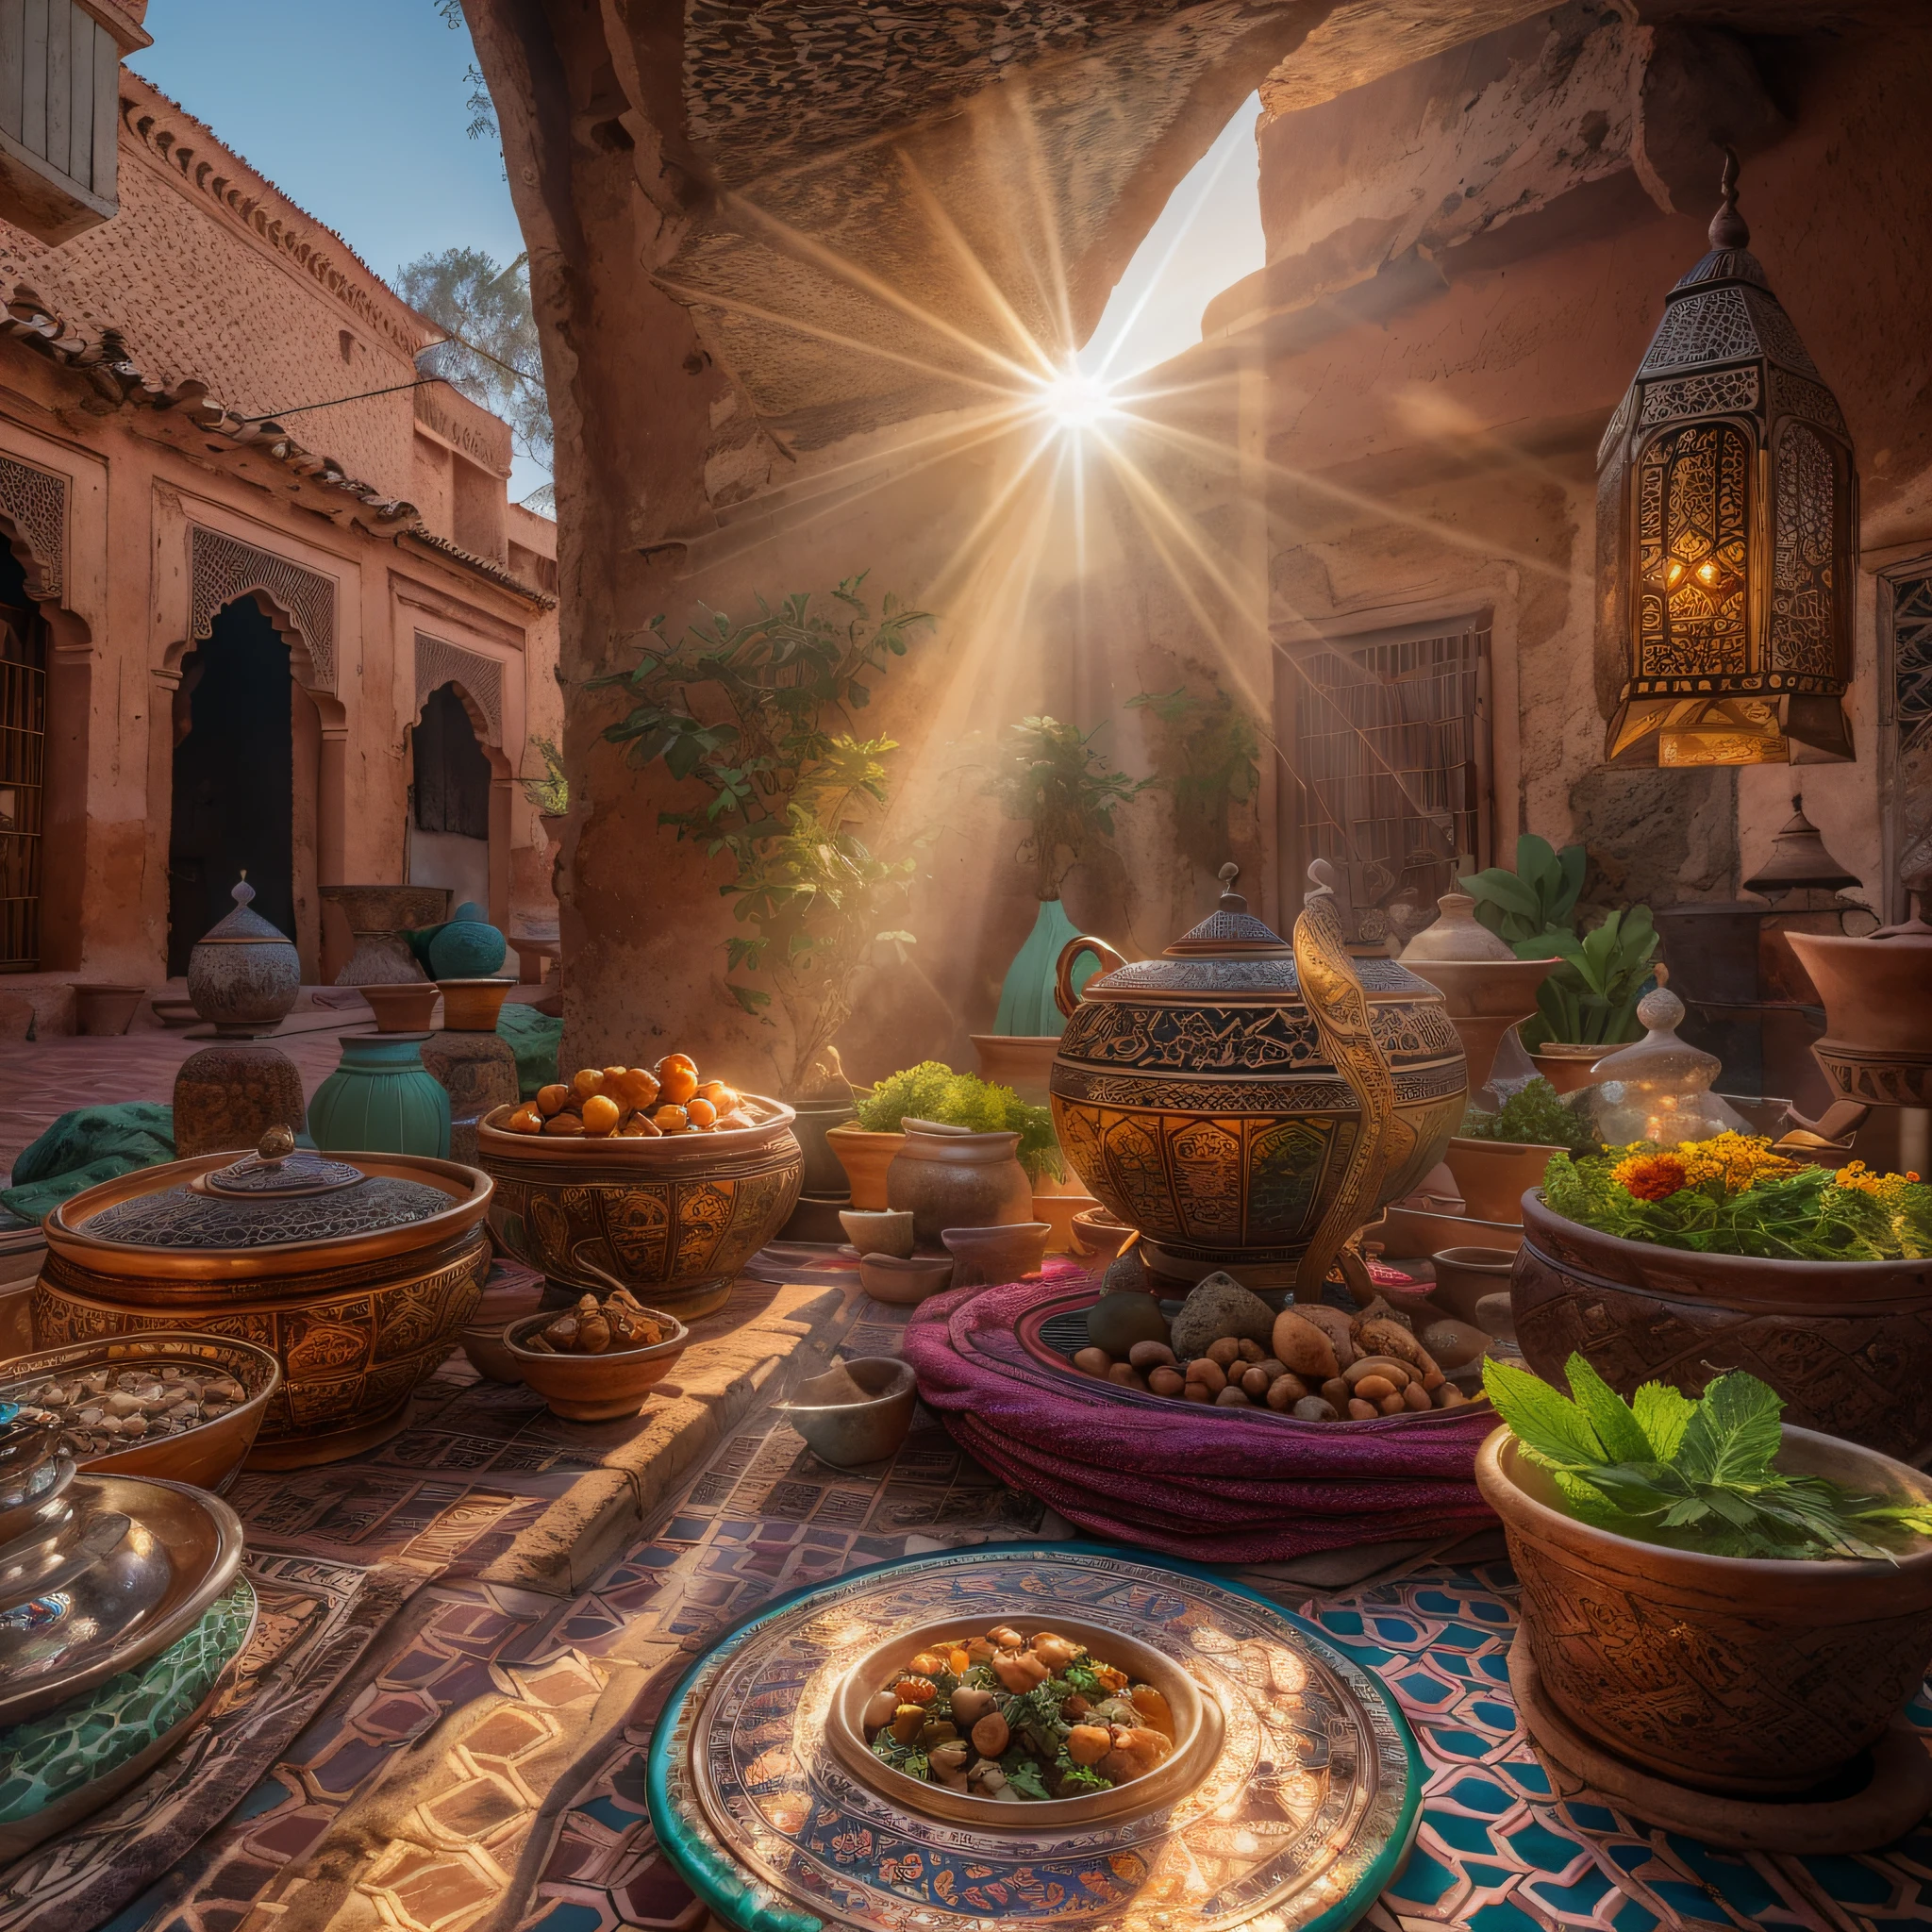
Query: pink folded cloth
{"type": "Point", "coordinates": [1221, 1486]}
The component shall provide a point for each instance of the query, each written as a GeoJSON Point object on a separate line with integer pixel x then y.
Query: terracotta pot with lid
{"type": "Point", "coordinates": [1246, 1103]}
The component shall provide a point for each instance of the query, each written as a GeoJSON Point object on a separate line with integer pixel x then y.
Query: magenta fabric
{"type": "Point", "coordinates": [1221, 1486]}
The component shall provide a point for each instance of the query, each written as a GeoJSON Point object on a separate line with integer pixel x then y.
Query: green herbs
{"type": "Point", "coordinates": [1053, 780]}
{"type": "Point", "coordinates": [932, 1091]}
{"type": "Point", "coordinates": [1697, 1475]}
{"type": "Point", "coordinates": [1024, 1775]}
{"type": "Point", "coordinates": [1076, 1778]}
{"type": "Point", "coordinates": [1534, 1115]}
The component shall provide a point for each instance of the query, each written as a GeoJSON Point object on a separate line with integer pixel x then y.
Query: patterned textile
{"type": "Point", "coordinates": [1141, 1469]}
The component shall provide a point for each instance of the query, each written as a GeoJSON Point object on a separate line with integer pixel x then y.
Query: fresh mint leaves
{"type": "Point", "coordinates": [1698, 1476]}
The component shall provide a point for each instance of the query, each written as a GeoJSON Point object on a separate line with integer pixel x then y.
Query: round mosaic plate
{"type": "Point", "coordinates": [1303, 1818]}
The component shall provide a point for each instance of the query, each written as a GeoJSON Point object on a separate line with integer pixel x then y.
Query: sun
{"type": "Point", "coordinates": [1076, 401]}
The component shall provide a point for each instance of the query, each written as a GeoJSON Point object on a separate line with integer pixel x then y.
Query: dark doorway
{"type": "Point", "coordinates": [449, 800]}
{"type": "Point", "coordinates": [22, 754]}
{"type": "Point", "coordinates": [234, 781]}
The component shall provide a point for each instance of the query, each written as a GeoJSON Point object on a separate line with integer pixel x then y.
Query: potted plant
{"type": "Point", "coordinates": [1716, 1599]}
{"type": "Point", "coordinates": [932, 1091]}
{"type": "Point", "coordinates": [1588, 1004]}
{"type": "Point", "coordinates": [1496, 1158]}
{"type": "Point", "coordinates": [758, 713]}
{"type": "Point", "coordinates": [1677, 1263]}
{"type": "Point", "coordinates": [1209, 759]}
{"type": "Point", "coordinates": [1053, 780]}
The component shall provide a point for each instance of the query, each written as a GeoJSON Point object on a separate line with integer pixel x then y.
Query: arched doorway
{"type": "Point", "coordinates": [234, 794]}
{"type": "Point", "coordinates": [22, 765]}
{"type": "Point", "coordinates": [449, 801]}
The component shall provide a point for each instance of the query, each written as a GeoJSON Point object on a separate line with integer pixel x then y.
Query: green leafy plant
{"type": "Point", "coordinates": [1699, 1475]}
{"type": "Point", "coordinates": [932, 1091]}
{"type": "Point", "coordinates": [758, 714]}
{"type": "Point", "coordinates": [551, 792]}
{"type": "Point", "coordinates": [1052, 778]}
{"type": "Point", "coordinates": [1590, 999]}
{"type": "Point", "coordinates": [1534, 1115]}
{"type": "Point", "coordinates": [1209, 759]}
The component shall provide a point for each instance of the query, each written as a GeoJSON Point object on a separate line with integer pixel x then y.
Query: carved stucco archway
{"type": "Point", "coordinates": [476, 679]}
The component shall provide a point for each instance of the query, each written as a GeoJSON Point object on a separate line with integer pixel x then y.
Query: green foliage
{"type": "Point", "coordinates": [1051, 778]}
{"type": "Point", "coordinates": [1691, 1475]}
{"type": "Point", "coordinates": [754, 712]}
{"type": "Point", "coordinates": [1024, 1775]}
{"type": "Point", "coordinates": [1533, 1116]}
{"type": "Point", "coordinates": [491, 355]}
{"type": "Point", "coordinates": [551, 792]}
{"type": "Point", "coordinates": [932, 1091]}
{"type": "Point", "coordinates": [1803, 1216]}
{"type": "Point", "coordinates": [1590, 999]}
{"type": "Point", "coordinates": [1209, 759]}
{"type": "Point", "coordinates": [1075, 1779]}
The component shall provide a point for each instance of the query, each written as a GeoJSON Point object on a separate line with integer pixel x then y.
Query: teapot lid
{"type": "Point", "coordinates": [1231, 931]}
{"type": "Point", "coordinates": [244, 927]}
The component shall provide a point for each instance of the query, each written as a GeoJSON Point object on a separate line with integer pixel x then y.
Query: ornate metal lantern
{"type": "Point", "coordinates": [1727, 518]}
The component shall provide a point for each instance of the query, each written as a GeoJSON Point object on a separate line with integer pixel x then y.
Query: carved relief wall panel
{"type": "Point", "coordinates": [223, 568]}
{"type": "Point", "coordinates": [439, 662]}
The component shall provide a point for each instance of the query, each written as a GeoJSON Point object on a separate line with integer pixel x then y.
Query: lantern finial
{"type": "Point", "coordinates": [1728, 229]}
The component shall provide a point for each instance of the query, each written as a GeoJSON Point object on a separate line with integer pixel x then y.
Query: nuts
{"type": "Point", "coordinates": [1151, 1355]}
{"type": "Point", "coordinates": [617, 1324]}
{"type": "Point", "coordinates": [1209, 1374]}
{"type": "Point", "coordinates": [1303, 1346]}
{"type": "Point", "coordinates": [1225, 1353]}
{"type": "Point", "coordinates": [1094, 1361]}
{"type": "Point", "coordinates": [105, 1409]}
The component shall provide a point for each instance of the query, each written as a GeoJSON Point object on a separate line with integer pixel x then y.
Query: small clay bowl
{"type": "Point", "coordinates": [1058, 1211]}
{"type": "Point", "coordinates": [850, 1434]}
{"type": "Point", "coordinates": [984, 1255]}
{"type": "Point", "coordinates": [206, 1455]}
{"type": "Point", "coordinates": [1096, 1232]}
{"type": "Point", "coordinates": [1465, 1275]}
{"type": "Point", "coordinates": [471, 1006]}
{"type": "Point", "coordinates": [593, 1388]}
{"type": "Point", "coordinates": [903, 1284]}
{"type": "Point", "coordinates": [402, 1009]}
{"type": "Point", "coordinates": [879, 1231]}
{"type": "Point", "coordinates": [174, 1012]}
{"type": "Point", "coordinates": [482, 1335]}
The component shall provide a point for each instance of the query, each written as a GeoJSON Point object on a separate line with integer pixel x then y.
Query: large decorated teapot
{"type": "Point", "coordinates": [1248, 1104]}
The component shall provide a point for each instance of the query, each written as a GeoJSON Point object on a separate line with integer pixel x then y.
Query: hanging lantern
{"type": "Point", "coordinates": [1728, 517]}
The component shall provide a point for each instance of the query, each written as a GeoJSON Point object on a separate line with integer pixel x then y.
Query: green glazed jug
{"type": "Point", "coordinates": [381, 1100]}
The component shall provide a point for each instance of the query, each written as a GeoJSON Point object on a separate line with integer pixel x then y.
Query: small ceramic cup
{"type": "Point", "coordinates": [850, 1434]}
{"type": "Point", "coordinates": [1464, 1276]}
{"type": "Point", "coordinates": [879, 1231]}
{"type": "Point", "coordinates": [984, 1255]}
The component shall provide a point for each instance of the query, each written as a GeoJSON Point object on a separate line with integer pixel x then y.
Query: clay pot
{"type": "Point", "coordinates": [1726, 1674]}
{"type": "Point", "coordinates": [1486, 987]}
{"type": "Point", "coordinates": [1566, 1066]}
{"type": "Point", "coordinates": [995, 1255]}
{"type": "Point", "coordinates": [471, 1005]}
{"type": "Point", "coordinates": [825, 1174]}
{"type": "Point", "coordinates": [903, 1284]}
{"type": "Point", "coordinates": [851, 1434]}
{"type": "Point", "coordinates": [952, 1178]}
{"type": "Point", "coordinates": [378, 916]}
{"type": "Point", "coordinates": [482, 1335]}
{"type": "Point", "coordinates": [381, 1099]}
{"type": "Point", "coordinates": [1878, 1044]}
{"type": "Point", "coordinates": [243, 974]}
{"type": "Point", "coordinates": [1464, 1276]}
{"type": "Point", "coordinates": [231, 1094]}
{"type": "Point", "coordinates": [403, 1006]}
{"type": "Point", "coordinates": [1848, 1344]}
{"type": "Point", "coordinates": [865, 1159]}
{"type": "Point", "coordinates": [1492, 1176]}
{"type": "Point", "coordinates": [595, 1388]}
{"type": "Point", "coordinates": [106, 1011]}
{"type": "Point", "coordinates": [878, 1231]}
{"type": "Point", "coordinates": [1058, 1211]}
{"type": "Point", "coordinates": [1019, 1061]}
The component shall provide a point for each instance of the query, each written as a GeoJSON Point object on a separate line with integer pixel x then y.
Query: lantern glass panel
{"type": "Point", "coordinates": [1693, 552]}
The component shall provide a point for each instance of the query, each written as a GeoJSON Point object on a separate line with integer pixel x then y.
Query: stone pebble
{"type": "Point", "coordinates": [103, 1410]}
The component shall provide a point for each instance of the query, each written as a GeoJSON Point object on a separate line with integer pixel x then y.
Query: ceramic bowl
{"type": "Point", "coordinates": [850, 1434]}
{"type": "Point", "coordinates": [671, 1219]}
{"type": "Point", "coordinates": [1096, 1232]}
{"type": "Point", "coordinates": [595, 1388]}
{"type": "Point", "coordinates": [887, 1231]}
{"type": "Point", "coordinates": [1465, 1276]}
{"type": "Point", "coordinates": [207, 1455]}
{"type": "Point", "coordinates": [1410, 1232]}
{"type": "Point", "coordinates": [903, 1284]}
{"type": "Point", "coordinates": [174, 1012]}
{"type": "Point", "coordinates": [1198, 1725]}
{"type": "Point", "coordinates": [482, 1336]}
{"type": "Point", "coordinates": [982, 1254]}
{"type": "Point", "coordinates": [471, 1006]}
{"type": "Point", "coordinates": [405, 1008]}
{"type": "Point", "coordinates": [1058, 1211]}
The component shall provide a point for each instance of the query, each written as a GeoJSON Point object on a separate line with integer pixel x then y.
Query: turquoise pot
{"type": "Point", "coordinates": [1026, 1000]}
{"type": "Point", "coordinates": [469, 947]}
{"type": "Point", "coordinates": [381, 1100]}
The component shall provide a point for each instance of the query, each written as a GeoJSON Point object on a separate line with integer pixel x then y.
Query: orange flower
{"type": "Point", "coordinates": [1650, 1176]}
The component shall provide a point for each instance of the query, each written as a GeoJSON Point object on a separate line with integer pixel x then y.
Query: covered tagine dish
{"type": "Point", "coordinates": [354, 1271]}
{"type": "Point", "coordinates": [1248, 1104]}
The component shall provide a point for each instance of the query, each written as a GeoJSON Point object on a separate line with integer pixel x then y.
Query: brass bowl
{"type": "Point", "coordinates": [1197, 1718]}
{"type": "Point", "coordinates": [357, 1320]}
{"type": "Point", "coordinates": [593, 1388]}
{"type": "Point", "coordinates": [210, 1453]}
{"type": "Point", "coordinates": [673, 1218]}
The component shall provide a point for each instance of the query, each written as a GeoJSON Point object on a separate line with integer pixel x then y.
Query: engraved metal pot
{"type": "Point", "coordinates": [357, 1274]}
{"type": "Point", "coordinates": [1246, 1104]}
{"type": "Point", "coordinates": [243, 974]}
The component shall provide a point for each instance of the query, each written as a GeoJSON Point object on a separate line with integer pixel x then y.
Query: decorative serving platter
{"type": "Point", "coordinates": [1305, 1815]}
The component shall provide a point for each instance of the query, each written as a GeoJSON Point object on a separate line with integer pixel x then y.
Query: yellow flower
{"type": "Point", "coordinates": [1885, 1187]}
{"type": "Point", "coordinates": [1739, 1160]}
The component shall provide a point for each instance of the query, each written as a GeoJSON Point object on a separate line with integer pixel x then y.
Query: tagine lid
{"type": "Point", "coordinates": [278, 1195]}
{"type": "Point", "coordinates": [243, 926]}
{"type": "Point", "coordinates": [1235, 954]}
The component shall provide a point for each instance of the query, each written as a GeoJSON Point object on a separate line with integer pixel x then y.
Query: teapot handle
{"type": "Point", "coordinates": [1340, 1009]}
{"type": "Point", "coordinates": [1064, 997]}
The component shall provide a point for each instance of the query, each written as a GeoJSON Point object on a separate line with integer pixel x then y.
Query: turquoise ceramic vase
{"type": "Point", "coordinates": [1026, 1000]}
{"type": "Point", "coordinates": [381, 1100]}
{"type": "Point", "coordinates": [469, 947]}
